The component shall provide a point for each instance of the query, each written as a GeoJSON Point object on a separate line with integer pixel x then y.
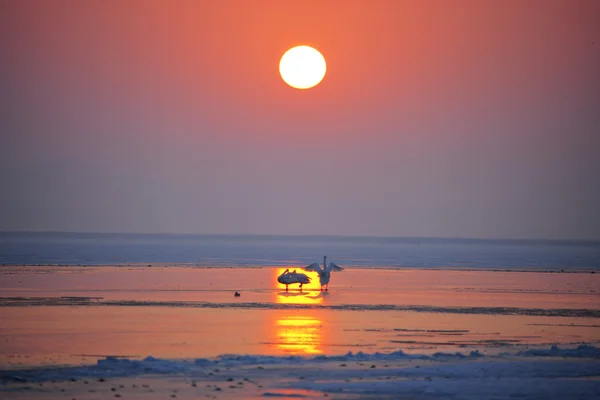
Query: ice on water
{"type": "Point", "coordinates": [544, 373]}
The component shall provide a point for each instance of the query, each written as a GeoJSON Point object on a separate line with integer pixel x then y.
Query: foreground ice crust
{"type": "Point", "coordinates": [535, 373]}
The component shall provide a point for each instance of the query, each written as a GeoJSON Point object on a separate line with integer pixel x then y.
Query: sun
{"type": "Point", "coordinates": [302, 67]}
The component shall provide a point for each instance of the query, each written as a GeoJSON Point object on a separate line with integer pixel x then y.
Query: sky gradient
{"type": "Point", "coordinates": [435, 118]}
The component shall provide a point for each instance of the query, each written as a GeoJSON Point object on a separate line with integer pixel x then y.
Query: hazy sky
{"type": "Point", "coordinates": [436, 118]}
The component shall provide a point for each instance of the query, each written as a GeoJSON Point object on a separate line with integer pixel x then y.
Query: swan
{"type": "Point", "coordinates": [325, 272]}
{"type": "Point", "coordinates": [289, 278]}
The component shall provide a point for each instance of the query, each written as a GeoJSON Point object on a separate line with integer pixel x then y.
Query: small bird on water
{"type": "Point", "coordinates": [237, 294]}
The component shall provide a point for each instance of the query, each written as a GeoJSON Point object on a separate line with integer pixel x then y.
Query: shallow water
{"type": "Point", "coordinates": [79, 314]}
{"type": "Point", "coordinates": [353, 286]}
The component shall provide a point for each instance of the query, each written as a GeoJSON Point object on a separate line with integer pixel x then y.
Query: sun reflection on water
{"type": "Point", "coordinates": [298, 331]}
{"type": "Point", "coordinates": [299, 334]}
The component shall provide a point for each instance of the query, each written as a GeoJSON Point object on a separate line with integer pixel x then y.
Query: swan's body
{"type": "Point", "coordinates": [325, 272]}
{"type": "Point", "coordinates": [289, 278]}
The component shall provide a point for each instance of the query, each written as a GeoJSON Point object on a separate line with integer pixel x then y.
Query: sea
{"type": "Point", "coordinates": [70, 249]}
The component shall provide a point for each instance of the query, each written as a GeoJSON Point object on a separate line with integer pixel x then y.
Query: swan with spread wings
{"type": "Point", "coordinates": [325, 272]}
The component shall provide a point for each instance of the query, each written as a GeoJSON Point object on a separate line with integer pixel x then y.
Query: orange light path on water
{"type": "Point", "coordinates": [298, 331]}
{"type": "Point", "coordinates": [299, 334]}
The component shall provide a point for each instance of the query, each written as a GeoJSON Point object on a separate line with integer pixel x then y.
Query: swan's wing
{"type": "Point", "coordinates": [303, 278]}
{"type": "Point", "coordinates": [293, 277]}
{"type": "Point", "coordinates": [334, 267]}
{"type": "Point", "coordinates": [286, 278]}
{"type": "Point", "coordinates": [314, 267]}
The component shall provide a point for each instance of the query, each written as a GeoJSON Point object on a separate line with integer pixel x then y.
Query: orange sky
{"type": "Point", "coordinates": [435, 118]}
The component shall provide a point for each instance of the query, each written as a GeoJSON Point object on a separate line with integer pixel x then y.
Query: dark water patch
{"type": "Point", "coordinates": [460, 343]}
{"type": "Point", "coordinates": [432, 330]}
{"type": "Point", "coordinates": [568, 325]}
{"type": "Point", "coordinates": [95, 302]}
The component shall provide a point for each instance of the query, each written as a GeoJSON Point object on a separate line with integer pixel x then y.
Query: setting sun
{"type": "Point", "coordinates": [302, 67]}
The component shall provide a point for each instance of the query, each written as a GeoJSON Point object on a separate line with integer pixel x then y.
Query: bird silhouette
{"type": "Point", "coordinates": [325, 272]}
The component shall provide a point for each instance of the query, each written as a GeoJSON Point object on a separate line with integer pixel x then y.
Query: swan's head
{"type": "Point", "coordinates": [280, 278]}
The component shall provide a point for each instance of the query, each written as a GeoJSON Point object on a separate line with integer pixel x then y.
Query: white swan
{"type": "Point", "coordinates": [325, 272]}
{"type": "Point", "coordinates": [289, 278]}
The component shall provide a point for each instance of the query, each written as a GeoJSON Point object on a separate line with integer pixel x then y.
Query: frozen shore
{"type": "Point", "coordinates": [569, 373]}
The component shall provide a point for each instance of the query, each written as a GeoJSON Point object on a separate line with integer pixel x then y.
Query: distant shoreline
{"type": "Point", "coordinates": [391, 238]}
{"type": "Point", "coordinates": [354, 267]}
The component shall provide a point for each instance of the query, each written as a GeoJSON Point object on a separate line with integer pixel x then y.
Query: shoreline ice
{"type": "Point", "coordinates": [113, 366]}
{"type": "Point", "coordinates": [543, 373]}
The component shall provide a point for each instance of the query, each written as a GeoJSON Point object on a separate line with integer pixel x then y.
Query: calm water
{"type": "Point", "coordinates": [236, 250]}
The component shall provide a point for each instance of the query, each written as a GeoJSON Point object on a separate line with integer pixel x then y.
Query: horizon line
{"type": "Point", "coordinates": [519, 239]}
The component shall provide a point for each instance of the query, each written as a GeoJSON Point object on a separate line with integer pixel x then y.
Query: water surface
{"type": "Point", "coordinates": [238, 250]}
